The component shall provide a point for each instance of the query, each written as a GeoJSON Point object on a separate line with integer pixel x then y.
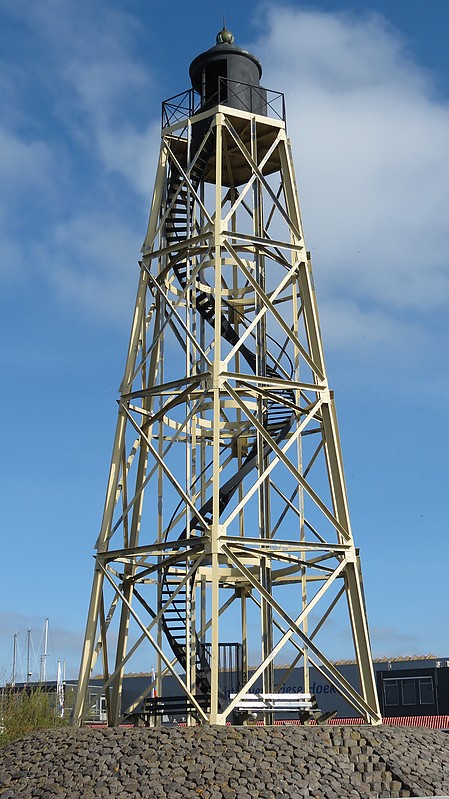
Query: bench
{"type": "Point", "coordinates": [160, 706]}
{"type": "Point", "coordinates": [305, 705]}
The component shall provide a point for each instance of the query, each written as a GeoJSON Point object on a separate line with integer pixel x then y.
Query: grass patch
{"type": "Point", "coordinates": [27, 711]}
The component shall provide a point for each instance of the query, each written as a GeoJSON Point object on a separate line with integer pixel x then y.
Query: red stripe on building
{"type": "Point", "coordinates": [432, 722]}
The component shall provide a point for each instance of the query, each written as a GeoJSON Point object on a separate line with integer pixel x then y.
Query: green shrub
{"type": "Point", "coordinates": [26, 711]}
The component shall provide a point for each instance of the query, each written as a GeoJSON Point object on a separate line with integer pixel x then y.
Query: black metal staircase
{"type": "Point", "coordinates": [278, 416]}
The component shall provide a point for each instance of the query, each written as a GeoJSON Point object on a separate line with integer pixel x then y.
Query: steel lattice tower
{"type": "Point", "coordinates": [226, 516]}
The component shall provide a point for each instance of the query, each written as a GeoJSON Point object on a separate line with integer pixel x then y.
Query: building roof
{"type": "Point", "coordinates": [384, 659]}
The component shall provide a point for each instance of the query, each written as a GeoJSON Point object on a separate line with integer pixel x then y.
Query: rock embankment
{"type": "Point", "coordinates": [227, 763]}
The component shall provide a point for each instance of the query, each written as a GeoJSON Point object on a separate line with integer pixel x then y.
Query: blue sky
{"type": "Point", "coordinates": [367, 92]}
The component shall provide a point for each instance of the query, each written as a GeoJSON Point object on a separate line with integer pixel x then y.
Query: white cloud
{"type": "Point", "coordinates": [350, 324]}
{"type": "Point", "coordinates": [132, 154]}
{"type": "Point", "coordinates": [12, 258]}
{"type": "Point", "coordinates": [94, 264]}
{"type": "Point", "coordinates": [95, 82]}
{"type": "Point", "coordinates": [23, 164]}
{"type": "Point", "coordinates": [61, 189]}
{"type": "Point", "coordinates": [369, 137]}
{"type": "Point", "coordinates": [328, 46]}
{"type": "Point", "coordinates": [123, 146]}
{"type": "Point", "coordinates": [25, 170]}
{"type": "Point", "coordinates": [370, 140]}
{"type": "Point", "coordinates": [100, 84]}
{"type": "Point", "coordinates": [394, 641]}
{"type": "Point", "coordinates": [109, 90]}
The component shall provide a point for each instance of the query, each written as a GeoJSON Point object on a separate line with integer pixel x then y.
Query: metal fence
{"type": "Point", "coordinates": [244, 96]}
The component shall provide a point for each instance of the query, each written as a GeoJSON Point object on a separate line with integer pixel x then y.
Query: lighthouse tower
{"type": "Point", "coordinates": [226, 541]}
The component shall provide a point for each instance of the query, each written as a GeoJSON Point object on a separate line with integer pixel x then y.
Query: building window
{"type": "Point", "coordinates": [391, 692]}
{"type": "Point", "coordinates": [426, 693]}
{"type": "Point", "coordinates": [408, 692]}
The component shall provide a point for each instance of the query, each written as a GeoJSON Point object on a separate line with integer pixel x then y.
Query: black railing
{"type": "Point", "coordinates": [180, 107]}
{"type": "Point", "coordinates": [243, 96]}
{"type": "Point", "coordinates": [251, 98]}
{"type": "Point", "coordinates": [230, 666]}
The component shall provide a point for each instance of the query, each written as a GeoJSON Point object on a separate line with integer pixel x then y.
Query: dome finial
{"type": "Point", "coordinates": [225, 36]}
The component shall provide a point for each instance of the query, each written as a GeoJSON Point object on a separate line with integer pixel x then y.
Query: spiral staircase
{"type": "Point", "coordinates": [277, 420]}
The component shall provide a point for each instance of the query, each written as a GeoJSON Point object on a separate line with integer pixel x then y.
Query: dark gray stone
{"type": "Point", "coordinates": [227, 763]}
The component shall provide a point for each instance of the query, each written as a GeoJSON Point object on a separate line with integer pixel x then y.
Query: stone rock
{"type": "Point", "coordinates": [280, 762]}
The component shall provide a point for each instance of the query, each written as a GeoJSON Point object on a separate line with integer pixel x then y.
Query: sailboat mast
{"type": "Point", "coordinates": [43, 672]}
{"type": "Point", "coordinates": [28, 674]}
{"type": "Point", "coordinates": [14, 660]}
{"type": "Point", "coordinates": [45, 650]}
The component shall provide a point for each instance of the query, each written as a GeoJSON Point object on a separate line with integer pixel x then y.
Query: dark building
{"type": "Point", "coordinates": [414, 689]}
{"type": "Point", "coordinates": [407, 687]}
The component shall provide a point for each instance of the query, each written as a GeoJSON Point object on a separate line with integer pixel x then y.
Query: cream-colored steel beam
{"type": "Point", "coordinates": [150, 638]}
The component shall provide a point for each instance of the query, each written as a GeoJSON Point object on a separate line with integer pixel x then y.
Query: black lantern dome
{"type": "Point", "coordinates": [227, 74]}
